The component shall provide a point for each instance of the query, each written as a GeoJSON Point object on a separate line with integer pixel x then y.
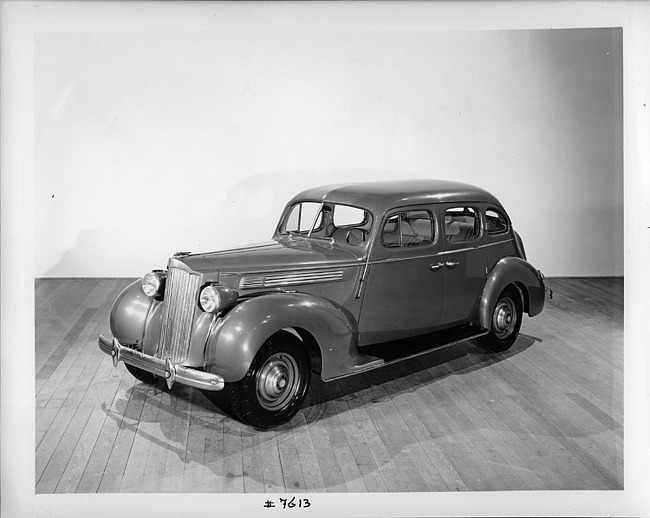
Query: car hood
{"type": "Point", "coordinates": [280, 254]}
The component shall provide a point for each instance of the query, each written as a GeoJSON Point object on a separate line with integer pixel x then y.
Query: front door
{"type": "Point", "coordinates": [464, 258]}
{"type": "Point", "coordinates": [403, 289]}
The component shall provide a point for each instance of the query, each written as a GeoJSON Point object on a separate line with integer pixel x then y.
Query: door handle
{"type": "Point", "coordinates": [451, 264]}
{"type": "Point", "coordinates": [436, 267]}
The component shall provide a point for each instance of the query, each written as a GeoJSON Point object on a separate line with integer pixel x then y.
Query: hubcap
{"type": "Point", "coordinates": [504, 318]}
{"type": "Point", "coordinates": [277, 382]}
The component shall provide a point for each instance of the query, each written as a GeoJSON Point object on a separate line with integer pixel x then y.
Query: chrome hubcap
{"type": "Point", "coordinates": [277, 382]}
{"type": "Point", "coordinates": [504, 318]}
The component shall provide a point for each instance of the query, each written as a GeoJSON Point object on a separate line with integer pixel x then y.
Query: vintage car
{"type": "Point", "coordinates": [351, 275]}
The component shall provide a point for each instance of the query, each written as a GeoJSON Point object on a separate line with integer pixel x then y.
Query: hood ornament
{"type": "Point", "coordinates": [182, 254]}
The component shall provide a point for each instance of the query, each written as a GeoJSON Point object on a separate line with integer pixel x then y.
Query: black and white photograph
{"type": "Point", "coordinates": [325, 258]}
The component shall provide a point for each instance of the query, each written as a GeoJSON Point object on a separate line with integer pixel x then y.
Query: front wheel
{"type": "Point", "coordinates": [275, 385]}
{"type": "Point", "coordinates": [506, 321]}
{"type": "Point", "coordinates": [142, 375]}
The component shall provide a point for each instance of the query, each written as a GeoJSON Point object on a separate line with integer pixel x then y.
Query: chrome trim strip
{"type": "Point", "coordinates": [444, 252]}
{"type": "Point", "coordinates": [163, 368]}
{"type": "Point", "coordinates": [298, 269]}
{"type": "Point", "coordinates": [289, 279]}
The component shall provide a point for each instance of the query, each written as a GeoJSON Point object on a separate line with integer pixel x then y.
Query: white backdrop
{"type": "Point", "coordinates": [147, 143]}
{"type": "Point", "coordinates": [88, 125]}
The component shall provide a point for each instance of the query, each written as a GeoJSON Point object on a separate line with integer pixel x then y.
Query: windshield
{"type": "Point", "coordinates": [331, 221]}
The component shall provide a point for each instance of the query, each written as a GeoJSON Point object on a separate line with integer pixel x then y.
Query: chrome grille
{"type": "Point", "coordinates": [178, 314]}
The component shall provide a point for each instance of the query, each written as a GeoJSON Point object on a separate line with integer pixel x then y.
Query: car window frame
{"type": "Point", "coordinates": [468, 243]}
{"type": "Point", "coordinates": [281, 231]}
{"type": "Point", "coordinates": [381, 252]}
{"type": "Point", "coordinates": [501, 211]}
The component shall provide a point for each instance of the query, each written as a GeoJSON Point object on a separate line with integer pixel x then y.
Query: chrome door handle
{"type": "Point", "coordinates": [451, 264]}
{"type": "Point", "coordinates": [436, 267]}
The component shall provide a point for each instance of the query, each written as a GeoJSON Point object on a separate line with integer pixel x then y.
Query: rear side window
{"type": "Point", "coordinates": [462, 224]}
{"type": "Point", "coordinates": [406, 229]}
{"type": "Point", "coordinates": [496, 223]}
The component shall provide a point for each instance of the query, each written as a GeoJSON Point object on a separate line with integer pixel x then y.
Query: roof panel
{"type": "Point", "coordinates": [381, 196]}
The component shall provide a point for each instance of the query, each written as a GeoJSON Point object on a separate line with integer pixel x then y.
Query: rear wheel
{"type": "Point", "coordinates": [142, 375]}
{"type": "Point", "coordinates": [275, 385]}
{"type": "Point", "coordinates": [506, 321]}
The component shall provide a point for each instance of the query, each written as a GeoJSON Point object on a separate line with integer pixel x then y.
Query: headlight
{"type": "Point", "coordinates": [153, 284]}
{"type": "Point", "coordinates": [209, 299]}
{"type": "Point", "coordinates": [217, 297]}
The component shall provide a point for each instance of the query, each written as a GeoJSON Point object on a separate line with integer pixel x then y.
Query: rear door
{"type": "Point", "coordinates": [403, 293]}
{"type": "Point", "coordinates": [464, 258]}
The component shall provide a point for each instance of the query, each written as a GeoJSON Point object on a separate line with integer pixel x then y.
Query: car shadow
{"type": "Point", "coordinates": [454, 360]}
{"type": "Point", "coordinates": [156, 413]}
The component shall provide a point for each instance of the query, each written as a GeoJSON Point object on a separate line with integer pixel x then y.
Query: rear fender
{"type": "Point", "coordinates": [241, 333]}
{"type": "Point", "coordinates": [511, 271]}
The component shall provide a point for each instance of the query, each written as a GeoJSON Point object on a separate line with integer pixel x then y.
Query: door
{"type": "Point", "coordinates": [464, 257]}
{"type": "Point", "coordinates": [403, 288]}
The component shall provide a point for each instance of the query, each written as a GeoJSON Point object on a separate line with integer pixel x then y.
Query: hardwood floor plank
{"type": "Point", "coordinates": [309, 463]}
{"type": "Point", "coordinates": [233, 462]}
{"type": "Point", "coordinates": [177, 440]}
{"type": "Point", "coordinates": [388, 477]}
{"type": "Point", "coordinates": [513, 442]}
{"type": "Point", "coordinates": [598, 414]}
{"type": "Point", "coordinates": [200, 419]}
{"type": "Point", "coordinates": [121, 449]}
{"type": "Point", "coordinates": [135, 470]}
{"type": "Point", "coordinates": [71, 477]}
{"type": "Point", "coordinates": [324, 451]}
{"type": "Point", "coordinates": [545, 415]}
{"type": "Point", "coordinates": [292, 474]}
{"type": "Point", "coordinates": [591, 464]}
{"type": "Point", "coordinates": [271, 464]}
{"type": "Point", "coordinates": [253, 474]}
{"type": "Point", "coordinates": [50, 450]}
{"type": "Point", "coordinates": [353, 480]}
{"type": "Point", "coordinates": [99, 457]}
{"type": "Point", "coordinates": [365, 462]}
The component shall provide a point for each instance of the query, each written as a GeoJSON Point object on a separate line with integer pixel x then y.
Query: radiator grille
{"type": "Point", "coordinates": [178, 313]}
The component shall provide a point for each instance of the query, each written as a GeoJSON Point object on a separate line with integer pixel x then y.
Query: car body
{"type": "Point", "coordinates": [352, 272]}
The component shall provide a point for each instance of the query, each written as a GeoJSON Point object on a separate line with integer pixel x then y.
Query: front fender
{"type": "Point", "coordinates": [516, 271]}
{"type": "Point", "coordinates": [129, 314]}
{"type": "Point", "coordinates": [242, 332]}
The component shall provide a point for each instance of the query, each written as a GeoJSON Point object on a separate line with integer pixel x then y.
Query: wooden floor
{"type": "Point", "coordinates": [546, 414]}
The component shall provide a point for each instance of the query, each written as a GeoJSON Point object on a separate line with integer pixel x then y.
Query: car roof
{"type": "Point", "coordinates": [378, 197]}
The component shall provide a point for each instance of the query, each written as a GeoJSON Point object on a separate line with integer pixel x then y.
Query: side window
{"type": "Point", "coordinates": [345, 216]}
{"type": "Point", "coordinates": [411, 228]}
{"type": "Point", "coordinates": [496, 223]}
{"type": "Point", "coordinates": [462, 224]}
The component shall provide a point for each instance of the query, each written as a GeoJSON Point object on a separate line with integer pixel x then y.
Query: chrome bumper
{"type": "Point", "coordinates": [163, 368]}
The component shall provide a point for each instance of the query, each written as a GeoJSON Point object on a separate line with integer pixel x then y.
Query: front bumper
{"type": "Point", "coordinates": [163, 368]}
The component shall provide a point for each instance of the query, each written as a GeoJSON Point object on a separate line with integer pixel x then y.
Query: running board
{"type": "Point", "coordinates": [387, 353]}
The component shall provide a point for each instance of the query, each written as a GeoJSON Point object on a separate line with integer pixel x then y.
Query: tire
{"type": "Point", "coordinates": [142, 375]}
{"type": "Point", "coordinates": [506, 321]}
{"type": "Point", "coordinates": [273, 389]}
